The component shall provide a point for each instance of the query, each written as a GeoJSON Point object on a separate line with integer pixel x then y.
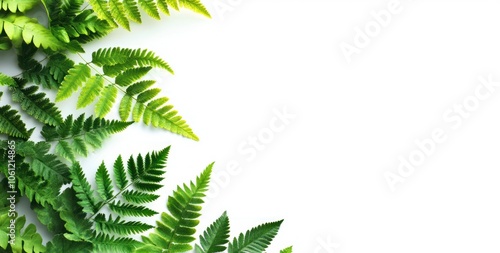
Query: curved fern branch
{"type": "Point", "coordinates": [175, 229]}
{"type": "Point", "coordinates": [80, 135]}
{"type": "Point", "coordinates": [127, 67]}
{"type": "Point", "coordinates": [121, 12]}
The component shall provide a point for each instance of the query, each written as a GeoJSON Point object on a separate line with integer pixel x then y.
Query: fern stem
{"type": "Point", "coordinates": [112, 198]}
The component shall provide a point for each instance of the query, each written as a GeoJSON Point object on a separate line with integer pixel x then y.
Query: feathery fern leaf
{"type": "Point", "coordinates": [255, 240]}
{"type": "Point", "coordinates": [90, 91]}
{"type": "Point", "coordinates": [22, 29]}
{"type": "Point", "coordinates": [26, 238]}
{"type": "Point", "coordinates": [75, 79]}
{"type": "Point", "coordinates": [16, 5]}
{"type": "Point", "coordinates": [128, 57]}
{"type": "Point", "coordinates": [34, 187]}
{"type": "Point", "coordinates": [118, 226]}
{"type": "Point", "coordinates": [106, 101]}
{"type": "Point", "coordinates": [215, 238]}
{"type": "Point", "coordinates": [83, 190]}
{"type": "Point", "coordinates": [60, 244]}
{"type": "Point", "coordinates": [77, 225]}
{"type": "Point", "coordinates": [175, 230]}
{"type": "Point", "coordinates": [49, 76]}
{"type": "Point", "coordinates": [81, 135]}
{"type": "Point", "coordinates": [286, 250]}
{"type": "Point", "coordinates": [194, 5]}
{"type": "Point", "coordinates": [121, 11]}
{"type": "Point", "coordinates": [107, 243]}
{"type": "Point", "coordinates": [44, 164]}
{"type": "Point", "coordinates": [11, 123]}
{"type": "Point", "coordinates": [35, 104]}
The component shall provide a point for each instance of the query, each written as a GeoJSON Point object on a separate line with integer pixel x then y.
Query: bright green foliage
{"type": "Point", "coordinates": [255, 240]}
{"type": "Point", "coordinates": [11, 123]}
{"type": "Point", "coordinates": [35, 103]}
{"type": "Point", "coordinates": [27, 238]}
{"type": "Point", "coordinates": [216, 237]}
{"type": "Point", "coordinates": [76, 77]}
{"type": "Point", "coordinates": [80, 135]}
{"type": "Point", "coordinates": [16, 5]}
{"type": "Point", "coordinates": [22, 29]}
{"type": "Point", "coordinates": [286, 250]}
{"type": "Point", "coordinates": [135, 185]}
{"type": "Point", "coordinates": [175, 230]}
{"type": "Point", "coordinates": [120, 12]}
{"type": "Point", "coordinates": [140, 101]}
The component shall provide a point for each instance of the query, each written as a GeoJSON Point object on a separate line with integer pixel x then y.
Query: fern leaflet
{"type": "Point", "coordinates": [175, 230]}
{"type": "Point", "coordinates": [215, 238]}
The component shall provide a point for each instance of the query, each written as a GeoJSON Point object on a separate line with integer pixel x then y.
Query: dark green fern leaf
{"type": "Point", "coordinates": [216, 237]}
{"type": "Point", "coordinates": [35, 104]}
{"type": "Point", "coordinates": [118, 226]}
{"type": "Point", "coordinates": [81, 135]}
{"type": "Point", "coordinates": [44, 164]}
{"type": "Point", "coordinates": [83, 190]}
{"type": "Point", "coordinates": [107, 243]}
{"type": "Point", "coordinates": [175, 230]}
{"type": "Point", "coordinates": [11, 123]}
{"type": "Point", "coordinates": [256, 239]}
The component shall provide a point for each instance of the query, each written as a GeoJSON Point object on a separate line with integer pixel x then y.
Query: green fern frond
{"type": "Point", "coordinates": [44, 164]}
{"type": "Point", "coordinates": [137, 197]}
{"type": "Point", "coordinates": [215, 238]}
{"type": "Point", "coordinates": [150, 7]}
{"type": "Point", "coordinates": [16, 5]}
{"type": "Point", "coordinates": [60, 244]}
{"type": "Point", "coordinates": [35, 104]}
{"type": "Point", "coordinates": [74, 80]}
{"type": "Point", "coordinates": [83, 190]}
{"type": "Point", "coordinates": [118, 226]}
{"type": "Point", "coordinates": [117, 11]}
{"type": "Point", "coordinates": [78, 226]}
{"type": "Point", "coordinates": [22, 29]}
{"type": "Point", "coordinates": [101, 8]}
{"type": "Point", "coordinates": [129, 57]}
{"type": "Point", "coordinates": [90, 91]}
{"type": "Point", "coordinates": [131, 210]}
{"type": "Point", "coordinates": [175, 230]}
{"type": "Point", "coordinates": [49, 76]}
{"type": "Point", "coordinates": [132, 10]}
{"type": "Point", "coordinates": [27, 239]}
{"type": "Point", "coordinates": [287, 250]}
{"type": "Point", "coordinates": [106, 101]}
{"type": "Point", "coordinates": [11, 123]}
{"type": "Point", "coordinates": [195, 6]}
{"type": "Point", "coordinates": [81, 135]}
{"type": "Point", "coordinates": [256, 239]}
{"type": "Point", "coordinates": [107, 243]}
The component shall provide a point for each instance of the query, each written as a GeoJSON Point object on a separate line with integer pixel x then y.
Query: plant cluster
{"type": "Point", "coordinates": [104, 218]}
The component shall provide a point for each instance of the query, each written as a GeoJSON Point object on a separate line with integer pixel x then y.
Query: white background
{"type": "Point", "coordinates": [324, 172]}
